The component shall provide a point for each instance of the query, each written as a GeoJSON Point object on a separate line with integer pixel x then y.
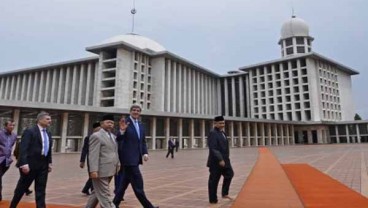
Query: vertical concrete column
{"type": "Point", "coordinates": [80, 85]}
{"type": "Point", "coordinates": [358, 133]}
{"type": "Point", "coordinates": [347, 133]}
{"type": "Point", "coordinates": [168, 88]}
{"type": "Point", "coordinates": [276, 134]}
{"type": "Point", "coordinates": [326, 136]}
{"type": "Point", "coordinates": [226, 90]}
{"type": "Point", "coordinates": [16, 119]}
{"type": "Point", "coordinates": [310, 139]}
{"type": "Point", "coordinates": [60, 85]}
{"type": "Point", "coordinates": [282, 134]}
{"type": "Point", "coordinates": [263, 134]}
{"type": "Point", "coordinates": [173, 85]}
{"type": "Point", "coordinates": [23, 88]}
{"type": "Point", "coordinates": [53, 85]}
{"type": "Point", "coordinates": [191, 133]}
{"type": "Point", "coordinates": [269, 130]}
{"type": "Point", "coordinates": [34, 86]}
{"type": "Point", "coordinates": [240, 133]}
{"type": "Point", "coordinates": [241, 96]}
{"type": "Point", "coordinates": [300, 137]}
{"type": "Point", "coordinates": [248, 133]}
{"type": "Point", "coordinates": [47, 97]}
{"type": "Point", "coordinates": [292, 135]}
{"type": "Point", "coordinates": [41, 87]}
{"type": "Point", "coordinates": [17, 88]}
{"type": "Point", "coordinates": [74, 85]}
{"type": "Point", "coordinates": [320, 136]}
{"type": "Point", "coordinates": [179, 90]}
{"type": "Point", "coordinates": [203, 134]}
{"type": "Point", "coordinates": [189, 90]}
{"type": "Point", "coordinates": [64, 129]}
{"type": "Point", "coordinates": [337, 135]}
{"type": "Point", "coordinates": [256, 133]}
{"type": "Point", "coordinates": [153, 132]}
{"type": "Point", "coordinates": [167, 131]}
{"type": "Point", "coordinates": [180, 132]}
{"type": "Point", "coordinates": [67, 86]}
{"type": "Point", "coordinates": [88, 83]}
{"type": "Point", "coordinates": [231, 133]}
{"type": "Point", "coordinates": [233, 96]}
{"type": "Point", "coordinates": [287, 135]}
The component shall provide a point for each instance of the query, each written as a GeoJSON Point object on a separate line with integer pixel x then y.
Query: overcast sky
{"type": "Point", "coordinates": [220, 35]}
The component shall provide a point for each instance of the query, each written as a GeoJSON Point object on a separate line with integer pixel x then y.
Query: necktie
{"type": "Point", "coordinates": [223, 134]}
{"type": "Point", "coordinates": [45, 142]}
{"type": "Point", "coordinates": [137, 128]}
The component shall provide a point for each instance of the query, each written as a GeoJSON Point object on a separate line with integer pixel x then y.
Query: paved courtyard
{"type": "Point", "coordinates": [182, 182]}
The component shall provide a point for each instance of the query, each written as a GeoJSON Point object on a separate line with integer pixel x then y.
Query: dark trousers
{"type": "Point", "coordinates": [215, 174]}
{"type": "Point", "coordinates": [170, 151]}
{"type": "Point", "coordinates": [87, 186]}
{"type": "Point", "coordinates": [118, 179]}
{"type": "Point", "coordinates": [133, 175]}
{"type": "Point", "coordinates": [120, 186]}
{"type": "Point", "coordinates": [39, 176]}
{"type": "Point", "coordinates": [3, 169]}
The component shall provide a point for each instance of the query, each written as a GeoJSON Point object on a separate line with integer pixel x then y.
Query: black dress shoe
{"type": "Point", "coordinates": [86, 192]}
{"type": "Point", "coordinates": [28, 192]}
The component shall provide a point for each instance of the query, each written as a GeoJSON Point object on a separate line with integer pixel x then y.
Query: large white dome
{"type": "Point", "coordinates": [137, 41]}
{"type": "Point", "coordinates": [294, 27]}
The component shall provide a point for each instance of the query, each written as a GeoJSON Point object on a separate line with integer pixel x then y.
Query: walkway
{"type": "Point", "coordinates": [182, 182]}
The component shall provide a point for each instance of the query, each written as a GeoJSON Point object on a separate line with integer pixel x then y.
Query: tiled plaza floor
{"type": "Point", "coordinates": [182, 182]}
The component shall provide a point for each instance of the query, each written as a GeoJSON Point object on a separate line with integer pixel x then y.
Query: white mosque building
{"type": "Point", "coordinates": [301, 98]}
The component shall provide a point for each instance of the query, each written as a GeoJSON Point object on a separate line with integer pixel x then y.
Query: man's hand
{"type": "Point", "coordinates": [50, 167]}
{"type": "Point", "coordinates": [145, 157]}
{"type": "Point", "coordinates": [81, 164]}
{"type": "Point", "coordinates": [25, 169]}
{"type": "Point", "coordinates": [123, 125]}
{"type": "Point", "coordinates": [93, 175]}
{"type": "Point", "coordinates": [222, 163]}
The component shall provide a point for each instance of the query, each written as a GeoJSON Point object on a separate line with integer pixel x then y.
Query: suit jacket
{"type": "Point", "coordinates": [171, 144]}
{"type": "Point", "coordinates": [85, 148]}
{"type": "Point", "coordinates": [30, 148]}
{"type": "Point", "coordinates": [132, 146]}
{"type": "Point", "coordinates": [6, 141]}
{"type": "Point", "coordinates": [103, 154]}
{"type": "Point", "coordinates": [218, 148]}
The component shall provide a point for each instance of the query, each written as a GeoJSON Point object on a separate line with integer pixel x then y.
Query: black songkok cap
{"type": "Point", "coordinates": [219, 118]}
{"type": "Point", "coordinates": [108, 117]}
{"type": "Point", "coordinates": [96, 124]}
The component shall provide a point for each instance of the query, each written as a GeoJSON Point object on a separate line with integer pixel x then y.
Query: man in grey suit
{"type": "Point", "coordinates": [103, 162]}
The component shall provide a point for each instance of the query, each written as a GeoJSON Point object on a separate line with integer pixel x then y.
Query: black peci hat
{"type": "Point", "coordinates": [107, 117]}
{"type": "Point", "coordinates": [219, 118]}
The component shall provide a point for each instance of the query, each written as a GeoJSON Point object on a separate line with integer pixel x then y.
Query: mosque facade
{"type": "Point", "coordinates": [300, 98]}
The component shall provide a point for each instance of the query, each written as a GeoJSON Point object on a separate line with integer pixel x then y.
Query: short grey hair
{"type": "Point", "coordinates": [135, 106]}
{"type": "Point", "coordinates": [41, 115]}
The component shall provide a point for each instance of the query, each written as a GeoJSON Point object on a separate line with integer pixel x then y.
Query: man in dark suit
{"type": "Point", "coordinates": [35, 161]}
{"type": "Point", "coordinates": [218, 161]}
{"type": "Point", "coordinates": [88, 186]}
{"type": "Point", "coordinates": [170, 148]}
{"type": "Point", "coordinates": [133, 141]}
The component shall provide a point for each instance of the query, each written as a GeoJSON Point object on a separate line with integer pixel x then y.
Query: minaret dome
{"type": "Point", "coordinates": [295, 38]}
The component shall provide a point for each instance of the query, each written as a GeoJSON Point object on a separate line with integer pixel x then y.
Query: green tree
{"type": "Point", "coordinates": [357, 117]}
